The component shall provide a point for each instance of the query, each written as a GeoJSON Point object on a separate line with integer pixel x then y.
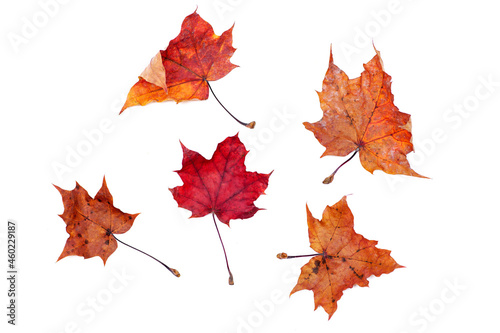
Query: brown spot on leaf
{"type": "Point", "coordinates": [316, 266]}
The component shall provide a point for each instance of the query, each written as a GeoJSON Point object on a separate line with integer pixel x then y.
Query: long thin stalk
{"type": "Point", "coordinates": [231, 280]}
{"type": "Point", "coordinates": [286, 256]}
{"type": "Point", "coordinates": [249, 125]}
{"type": "Point", "coordinates": [172, 270]}
{"type": "Point", "coordinates": [329, 179]}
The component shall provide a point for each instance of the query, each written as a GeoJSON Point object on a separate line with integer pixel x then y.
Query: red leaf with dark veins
{"type": "Point", "coordinates": [220, 185]}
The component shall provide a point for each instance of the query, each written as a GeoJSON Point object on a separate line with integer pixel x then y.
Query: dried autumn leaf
{"type": "Point", "coordinates": [344, 257]}
{"type": "Point", "coordinates": [183, 70]}
{"type": "Point", "coordinates": [92, 222]}
{"type": "Point", "coordinates": [359, 115]}
{"type": "Point", "coordinates": [220, 186]}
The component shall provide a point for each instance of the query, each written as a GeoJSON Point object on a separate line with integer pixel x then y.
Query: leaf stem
{"type": "Point", "coordinates": [286, 256]}
{"type": "Point", "coordinates": [329, 179]}
{"type": "Point", "coordinates": [249, 125]}
{"type": "Point", "coordinates": [172, 270]}
{"type": "Point", "coordinates": [231, 280]}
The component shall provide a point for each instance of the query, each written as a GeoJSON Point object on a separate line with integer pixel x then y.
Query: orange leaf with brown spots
{"type": "Point", "coordinates": [344, 257]}
{"type": "Point", "coordinates": [359, 115]}
{"type": "Point", "coordinates": [91, 222]}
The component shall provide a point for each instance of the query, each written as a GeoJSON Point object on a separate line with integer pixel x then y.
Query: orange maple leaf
{"type": "Point", "coordinates": [345, 258]}
{"type": "Point", "coordinates": [359, 115]}
{"type": "Point", "coordinates": [92, 222]}
{"type": "Point", "coordinates": [182, 71]}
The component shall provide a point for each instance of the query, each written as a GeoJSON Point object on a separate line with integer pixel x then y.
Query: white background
{"type": "Point", "coordinates": [71, 74]}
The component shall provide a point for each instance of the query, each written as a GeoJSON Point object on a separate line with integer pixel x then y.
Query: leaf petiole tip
{"type": "Point", "coordinates": [282, 255]}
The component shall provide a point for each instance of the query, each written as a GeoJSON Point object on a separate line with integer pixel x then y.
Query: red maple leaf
{"type": "Point", "coordinates": [183, 70]}
{"type": "Point", "coordinates": [221, 185]}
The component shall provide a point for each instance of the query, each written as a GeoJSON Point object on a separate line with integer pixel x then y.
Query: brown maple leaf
{"type": "Point", "coordinates": [93, 222]}
{"type": "Point", "coordinates": [344, 257]}
{"type": "Point", "coordinates": [359, 115]}
{"type": "Point", "coordinates": [183, 70]}
{"type": "Point", "coordinates": [220, 186]}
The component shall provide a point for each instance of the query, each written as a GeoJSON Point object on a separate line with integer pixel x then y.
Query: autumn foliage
{"type": "Point", "coordinates": [344, 258]}
{"type": "Point", "coordinates": [221, 185]}
{"type": "Point", "coordinates": [359, 115]}
{"type": "Point", "coordinates": [91, 222]}
{"type": "Point", "coordinates": [181, 72]}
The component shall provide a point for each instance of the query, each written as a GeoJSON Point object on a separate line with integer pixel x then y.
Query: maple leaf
{"type": "Point", "coordinates": [359, 115]}
{"type": "Point", "coordinates": [183, 70]}
{"type": "Point", "coordinates": [344, 258]}
{"type": "Point", "coordinates": [220, 186]}
{"type": "Point", "coordinates": [93, 222]}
